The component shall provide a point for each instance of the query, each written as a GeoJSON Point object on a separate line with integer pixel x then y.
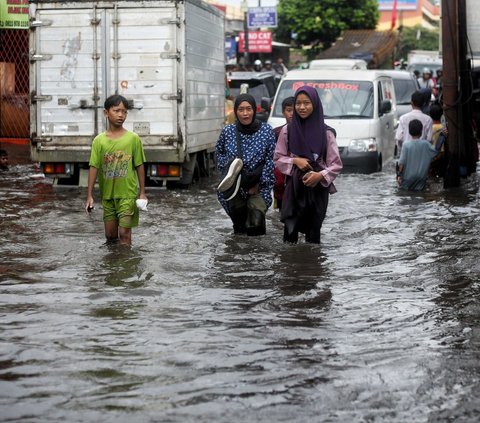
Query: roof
{"type": "Point", "coordinates": [375, 47]}
{"type": "Point", "coordinates": [278, 44]}
{"type": "Point", "coordinates": [338, 64]}
{"type": "Point", "coordinates": [249, 75]}
{"type": "Point", "coordinates": [335, 74]}
{"type": "Point", "coordinates": [398, 74]}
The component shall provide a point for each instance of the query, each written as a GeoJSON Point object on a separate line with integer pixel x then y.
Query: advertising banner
{"type": "Point", "coordinates": [14, 14]}
{"type": "Point", "coordinates": [401, 5]}
{"type": "Point", "coordinates": [258, 42]}
{"type": "Point", "coordinates": [231, 50]}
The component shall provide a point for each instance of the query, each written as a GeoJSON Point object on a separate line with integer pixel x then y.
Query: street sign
{"type": "Point", "coordinates": [262, 17]}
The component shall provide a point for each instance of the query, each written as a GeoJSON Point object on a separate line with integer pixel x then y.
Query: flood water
{"type": "Point", "coordinates": [380, 323]}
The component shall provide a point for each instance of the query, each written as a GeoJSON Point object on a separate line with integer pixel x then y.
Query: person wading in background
{"type": "Point", "coordinates": [279, 187]}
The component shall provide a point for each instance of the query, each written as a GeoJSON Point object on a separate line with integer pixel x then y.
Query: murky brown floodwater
{"type": "Point", "coordinates": [379, 324]}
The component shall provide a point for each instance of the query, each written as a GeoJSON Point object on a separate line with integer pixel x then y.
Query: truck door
{"type": "Point", "coordinates": [143, 65]}
{"type": "Point", "coordinates": [83, 53]}
{"type": "Point", "coordinates": [65, 52]}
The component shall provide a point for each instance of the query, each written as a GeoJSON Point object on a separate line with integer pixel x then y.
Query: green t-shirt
{"type": "Point", "coordinates": [116, 161]}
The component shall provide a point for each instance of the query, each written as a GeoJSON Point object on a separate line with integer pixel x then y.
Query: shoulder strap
{"type": "Point", "coordinates": [239, 144]}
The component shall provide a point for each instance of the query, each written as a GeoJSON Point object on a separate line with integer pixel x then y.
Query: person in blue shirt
{"type": "Point", "coordinates": [244, 153]}
{"type": "Point", "coordinates": [415, 159]}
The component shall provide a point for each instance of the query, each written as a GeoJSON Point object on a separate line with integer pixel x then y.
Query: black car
{"type": "Point", "coordinates": [261, 85]}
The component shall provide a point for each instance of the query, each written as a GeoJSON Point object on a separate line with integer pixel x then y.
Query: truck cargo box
{"type": "Point", "coordinates": [166, 57]}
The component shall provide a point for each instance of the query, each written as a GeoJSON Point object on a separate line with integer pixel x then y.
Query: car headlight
{"type": "Point", "coordinates": [363, 145]}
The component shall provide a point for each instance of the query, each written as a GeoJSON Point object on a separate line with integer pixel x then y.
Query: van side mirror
{"type": "Point", "coordinates": [266, 104]}
{"type": "Point", "coordinates": [385, 107]}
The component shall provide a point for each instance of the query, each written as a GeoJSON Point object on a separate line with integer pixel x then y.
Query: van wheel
{"type": "Point", "coordinates": [379, 163]}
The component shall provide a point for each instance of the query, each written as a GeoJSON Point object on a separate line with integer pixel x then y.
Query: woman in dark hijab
{"type": "Point", "coordinates": [307, 154]}
{"type": "Point", "coordinates": [244, 153]}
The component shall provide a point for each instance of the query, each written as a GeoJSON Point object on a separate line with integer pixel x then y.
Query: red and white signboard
{"type": "Point", "coordinates": [258, 42]}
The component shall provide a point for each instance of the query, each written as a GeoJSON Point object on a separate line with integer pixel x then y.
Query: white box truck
{"type": "Point", "coordinates": [418, 60]}
{"type": "Point", "coordinates": [165, 56]}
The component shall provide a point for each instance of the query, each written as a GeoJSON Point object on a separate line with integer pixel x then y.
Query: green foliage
{"type": "Point", "coordinates": [417, 38]}
{"type": "Point", "coordinates": [319, 23]}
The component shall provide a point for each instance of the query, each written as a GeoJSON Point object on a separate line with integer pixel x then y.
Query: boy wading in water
{"type": "Point", "coordinates": [415, 159]}
{"type": "Point", "coordinates": [117, 158]}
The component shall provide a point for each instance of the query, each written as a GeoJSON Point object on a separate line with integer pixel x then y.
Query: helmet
{"type": "Point", "coordinates": [257, 63]}
{"type": "Point", "coordinates": [426, 70]}
{"type": "Point", "coordinates": [268, 62]}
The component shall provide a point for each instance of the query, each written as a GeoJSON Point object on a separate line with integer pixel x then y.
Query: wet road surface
{"type": "Point", "coordinates": [380, 323]}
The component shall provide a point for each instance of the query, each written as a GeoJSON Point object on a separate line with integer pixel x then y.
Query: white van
{"type": "Point", "coordinates": [337, 64]}
{"type": "Point", "coordinates": [359, 105]}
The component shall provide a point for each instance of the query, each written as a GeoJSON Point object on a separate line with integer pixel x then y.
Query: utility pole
{"type": "Point", "coordinates": [244, 8]}
{"type": "Point", "coordinates": [462, 152]}
{"type": "Point", "coordinates": [468, 149]}
{"type": "Point", "coordinates": [450, 90]}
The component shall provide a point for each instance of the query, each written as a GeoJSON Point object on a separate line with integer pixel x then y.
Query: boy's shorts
{"type": "Point", "coordinates": [122, 209]}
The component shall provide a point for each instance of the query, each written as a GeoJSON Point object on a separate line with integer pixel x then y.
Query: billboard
{"type": "Point", "coordinates": [231, 49]}
{"type": "Point", "coordinates": [258, 42]}
{"type": "Point", "coordinates": [13, 14]}
{"type": "Point", "coordinates": [401, 4]}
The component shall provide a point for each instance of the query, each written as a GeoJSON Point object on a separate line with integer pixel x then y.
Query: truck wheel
{"type": "Point", "coordinates": [379, 163]}
{"type": "Point", "coordinates": [204, 164]}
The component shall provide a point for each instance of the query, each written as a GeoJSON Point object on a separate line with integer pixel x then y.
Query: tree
{"type": "Point", "coordinates": [318, 23]}
{"type": "Point", "coordinates": [417, 38]}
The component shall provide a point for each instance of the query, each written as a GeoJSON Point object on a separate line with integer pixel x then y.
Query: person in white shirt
{"type": "Point", "coordinates": [426, 80]}
{"type": "Point", "coordinates": [402, 134]}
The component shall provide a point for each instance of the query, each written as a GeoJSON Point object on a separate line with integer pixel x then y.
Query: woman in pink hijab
{"type": "Point", "coordinates": [307, 153]}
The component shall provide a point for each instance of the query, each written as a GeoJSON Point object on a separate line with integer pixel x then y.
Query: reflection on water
{"type": "Point", "coordinates": [121, 266]}
{"type": "Point", "coordinates": [194, 324]}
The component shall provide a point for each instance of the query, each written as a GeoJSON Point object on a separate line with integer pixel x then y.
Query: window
{"type": "Point", "coordinates": [340, 99]}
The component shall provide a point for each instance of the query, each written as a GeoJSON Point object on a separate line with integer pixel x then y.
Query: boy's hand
{"type": "Point", "coordinates": [89, 205]}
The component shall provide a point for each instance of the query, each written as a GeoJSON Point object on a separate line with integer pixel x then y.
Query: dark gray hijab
{"type": "Point", "coordinates": [255, 124]}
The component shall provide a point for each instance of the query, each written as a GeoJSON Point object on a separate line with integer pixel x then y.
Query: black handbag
{"type": "Point", "coordinates": [250, 178]}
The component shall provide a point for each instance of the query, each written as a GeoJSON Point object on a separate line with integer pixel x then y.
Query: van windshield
{"type": "Point", "coordinates": [340, 99]}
